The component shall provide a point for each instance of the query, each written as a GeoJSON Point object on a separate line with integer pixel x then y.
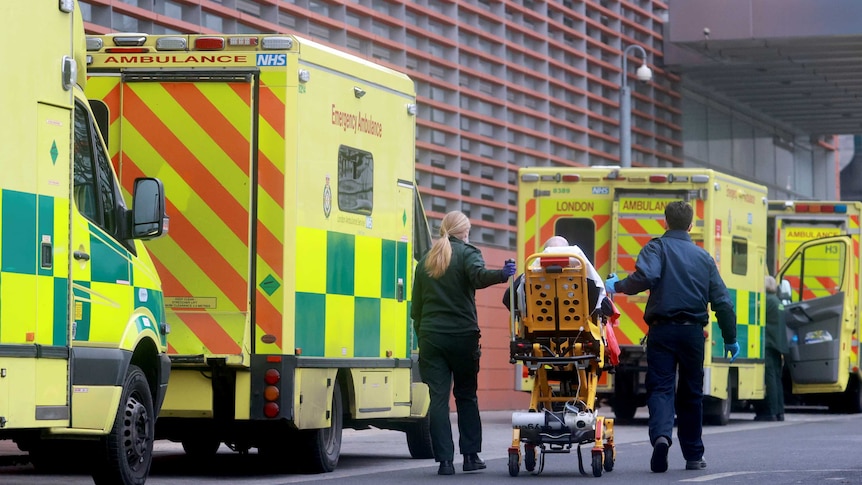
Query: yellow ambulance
{"type": "Point", "coordinates": [611, 213]}
{"type": "Point", "coordinates": [83, 363]}
{"type": "Point", "coordinates": [815, 246]}
{"type": "Point", "coordinates": [288, 269]}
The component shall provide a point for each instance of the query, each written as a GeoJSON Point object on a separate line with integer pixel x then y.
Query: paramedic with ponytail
{"type": "Point", "coordinates": [444, 318]}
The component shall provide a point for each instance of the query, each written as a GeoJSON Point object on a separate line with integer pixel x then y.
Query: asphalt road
{"type": "Point", "coordinates": [809, 447]}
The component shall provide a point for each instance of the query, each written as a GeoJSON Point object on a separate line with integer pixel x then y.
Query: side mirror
{"type": "Point", "coordinates": [149, 219]}
{"type": "Point", "coordinates": [784, 291]}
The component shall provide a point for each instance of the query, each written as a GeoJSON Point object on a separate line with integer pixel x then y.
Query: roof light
{"type": "Point", "coordinates": [127, 50]}
{"type": "Point", "coordinates": [529, 177]}
{"type": "Point", "coordinates": [67, 5]}
{"type": "Point", "coordinates": [572, 178]}
{"type": "Point", "coordinates": [279, 43]}
{"type": "Point", "coordinates": [242, 41]}
{"type": "Point", "coordinates": [550, 178]}
{"type": "Point", "coordinates": [700, 179]}
{"type": "Point", "coordinates": [827, 209]}
{"type": "Point", "coordinates": [94, 43]}
{"type": "Point", "coordinates": [130, 40]}
{"type": "Point", "coordinates": [171, 43]}
{"type": "Point", "coordinates": [209, 43]}
{"type": "Point", "coordinates": [802, 208]}
{"type": "Point", "coordinates": [840, 209]}
{"type": "Point", "coordinates": [658, 178]}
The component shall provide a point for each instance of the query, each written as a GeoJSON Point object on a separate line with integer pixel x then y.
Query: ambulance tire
{"type": "Point", "coordinates": [200, 447]}
{"type": "Point", "coordinates": [716, 411]}
{"type": "Point", "coordinates": [419, 438]}
{"type": "Point", "coordinates": [319, 449]}
{"type": "Point", "coordinates": [55, 457]}
{"type": "Point", "coordinates": [625, 404]}
{"type": "Point", "coordinates": [127, 451]}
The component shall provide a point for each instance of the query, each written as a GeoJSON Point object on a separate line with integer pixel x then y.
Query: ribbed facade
{"type": "Point", "coordinates": [501, 84]}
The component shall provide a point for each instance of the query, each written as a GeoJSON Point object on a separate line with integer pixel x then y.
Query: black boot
{"type": "Point", "coordinates": [472, 462]}
{"type": "Point", "coordinates": [446, 468]}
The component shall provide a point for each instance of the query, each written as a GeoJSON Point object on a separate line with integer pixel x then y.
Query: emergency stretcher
{"type": "Point", "coordinates": [557, 333]}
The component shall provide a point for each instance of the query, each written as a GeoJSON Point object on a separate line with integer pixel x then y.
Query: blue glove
{"type": "Point", "coordinates": [509, 269]}
{"type": "Point", "coordinates": [610, 282]}
{"type": "Point", "coordinates": [732, 349]}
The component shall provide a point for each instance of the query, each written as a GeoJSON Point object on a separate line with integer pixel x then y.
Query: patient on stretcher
{"type": "Point", "coordinates": [559, 245]}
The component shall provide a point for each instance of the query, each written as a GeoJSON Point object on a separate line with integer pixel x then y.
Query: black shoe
{"type": "Point", "coordinates": [779, 417]}
{"type": "Point", "coordinates": [472, 462]}
{"type": "Point", "coordinates": [658, 463]}
{"type": "Point", "coordinates": [695, 464]}
{"type": "Point", "coordinates": [446, 468]}
{"type": "Point", "coordinates": [765, 417]}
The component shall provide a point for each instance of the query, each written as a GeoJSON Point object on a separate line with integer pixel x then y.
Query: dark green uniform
{"type": "Point", "coordinates": [444, 317]}
{"type": "Point", "coordinates": [776, 346]}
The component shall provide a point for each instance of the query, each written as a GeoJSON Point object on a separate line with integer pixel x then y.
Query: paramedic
{"type": "Point", "coordinates": [772, 408]}
{"type": "Point", "coordinates": [444, 317]}
{"type": "Point", "coordinates": [682, 279]}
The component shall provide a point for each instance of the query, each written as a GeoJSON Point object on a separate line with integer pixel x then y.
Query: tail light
{"type": "Point", "coordinates": [271, 393]}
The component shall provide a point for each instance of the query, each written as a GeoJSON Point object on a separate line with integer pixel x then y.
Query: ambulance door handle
{"type": "Point", "coordinates": [399, 290]}
{"type": "Point", "coordinates": [81, 256]}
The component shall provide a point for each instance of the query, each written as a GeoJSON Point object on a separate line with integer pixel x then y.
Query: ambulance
{"type": "Point", "coordinates": [288, 269]}
{"type": "Point", "coordinates": [611, 213]}
{"type": "Point", "coordinates": [815, 248]}
{"type": "Point", "coordinates": [83, 362]}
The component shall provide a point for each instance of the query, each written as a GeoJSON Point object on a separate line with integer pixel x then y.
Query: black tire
{"type": "Point", "coordinates": [419, 438]}
{"type": "Point", "coordinates": [200, 447]}
{"type": "Point", "coordinates": [319, 449]}
{"type": "Point", "coordinates": [609, 459]}
{"type": "Point", "coordinates": [529, 457]}
{"type": "Point", "coordinates": [597, 463]}
{"type": "Point", "coordinates": [127, 451]}
{"type": "Point", "coordinates": [625, 397]}
{"type": "Point", "coordinates": [514, 465]}
{"type": "Point", "coordinates": [716, 411]}
{"type": "Point", "coordinates": [55, 457]}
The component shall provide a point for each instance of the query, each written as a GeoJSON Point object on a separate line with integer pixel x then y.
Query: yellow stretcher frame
{"type": "Point", "coordinates": [558, 335]}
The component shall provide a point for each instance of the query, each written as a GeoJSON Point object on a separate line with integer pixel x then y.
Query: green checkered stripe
{"type": "Point", "coordinates": [749, 326]}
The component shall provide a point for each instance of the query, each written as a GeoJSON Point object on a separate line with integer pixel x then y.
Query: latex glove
{"type": "Point", "coordinates": [610, 282]}
{"type": "Point", "coordinates": [509, 269]}
{"type": "Point", "coordinates": [732, 349]}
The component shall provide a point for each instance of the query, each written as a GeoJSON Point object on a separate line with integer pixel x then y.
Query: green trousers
{"type": "Point", "coordinates": [443, 359]}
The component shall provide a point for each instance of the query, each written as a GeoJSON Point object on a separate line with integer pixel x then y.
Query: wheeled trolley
{"type": "Point", "coordinates": [557, 334]}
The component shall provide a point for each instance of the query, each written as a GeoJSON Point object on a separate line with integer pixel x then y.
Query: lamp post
{"type": "Point", "coordinates": [644, 74]}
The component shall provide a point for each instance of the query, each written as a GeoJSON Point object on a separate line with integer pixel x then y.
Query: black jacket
{"type": "Point", "coordinates": [448, 304]}
{"type": "Point", "coordinates": [776, 330]}
{"type": "Point", "coordinates": [683, 279]}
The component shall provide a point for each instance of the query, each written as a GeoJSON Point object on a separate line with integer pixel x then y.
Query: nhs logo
{"type": "Point", "coordinates": [272, 59]}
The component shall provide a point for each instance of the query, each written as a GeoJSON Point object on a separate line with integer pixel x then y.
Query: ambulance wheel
{"type": "Point", "coordinates": [319, 449]}
{"type": "Point", "coordinates": [625, 398]}
{"type": "Point", "coordinates": [597, 463]}
{"type": "Point", "coordinates": [529, 457]}
{"type": "Point", "coordinates": [127, 451]}
{"type": "Point", "coordinates": [200, 447]}
{"type": "Point", "coordinates": [419, 438]}
{"type": "Point", "coordinates": [609, 459]}
{"type": "Point", "coordinates": [514, 465]}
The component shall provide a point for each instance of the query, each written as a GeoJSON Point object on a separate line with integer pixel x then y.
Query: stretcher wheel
{"type": "Point", "coordinates": [529, 457]}
{"type": "Point", "coordinates": [514, 465]}
{"type": "Point", "coordinates": [597, 463]}
{"type": "Point", "coordinates": [609, 459]}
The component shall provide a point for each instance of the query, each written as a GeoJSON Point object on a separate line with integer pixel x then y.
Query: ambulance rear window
{"type": "Point", "coordinates": [355, 180]}
{"type": "Point", "coordinates": [739, 256]}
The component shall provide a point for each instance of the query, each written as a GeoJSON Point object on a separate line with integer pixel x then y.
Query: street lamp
{"type": "Point", "coordinates": [644, 74]}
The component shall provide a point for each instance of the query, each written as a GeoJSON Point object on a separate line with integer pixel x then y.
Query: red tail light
{"type": "Point", "coordinates": [271, 377]}
{"type": "Point", "coordinates": [270, 410]}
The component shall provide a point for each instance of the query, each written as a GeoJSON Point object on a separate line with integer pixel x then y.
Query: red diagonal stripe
{"type": "Point", "coordinates": [633, 227]}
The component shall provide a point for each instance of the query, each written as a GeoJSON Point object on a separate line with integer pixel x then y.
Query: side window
{"type": "Point", "coordinates": [816, 272]}
{"type": "Point", "coordinates": [355, 180]}
{"type": "Point", "coordinates": [739, 256]}
{"type": "Point", "coordinates": [96, 192]}
{"type": "Point", "coordinates": [579, 232]}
